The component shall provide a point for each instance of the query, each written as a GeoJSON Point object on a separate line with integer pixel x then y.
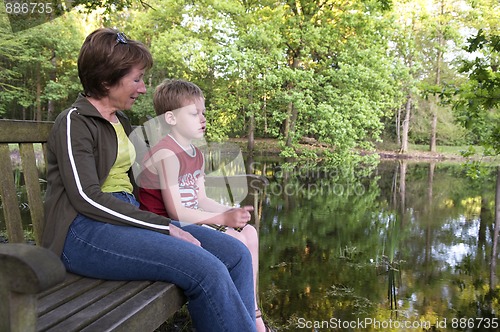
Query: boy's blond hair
{"type": "Point", "coordinates": [172, 94]}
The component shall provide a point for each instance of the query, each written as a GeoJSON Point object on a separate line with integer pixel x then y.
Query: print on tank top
{"type": "Point", "coordinates": [188, 189]}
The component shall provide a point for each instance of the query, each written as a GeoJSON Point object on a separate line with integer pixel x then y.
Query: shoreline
{"type": "Point", "coordinates": [271, 147]}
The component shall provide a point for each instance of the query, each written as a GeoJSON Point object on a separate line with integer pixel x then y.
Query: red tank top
{"type": "Point", "coordinates": [190, 169]}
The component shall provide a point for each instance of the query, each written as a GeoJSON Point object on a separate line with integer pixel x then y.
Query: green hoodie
{"type": "Point", "coordinates": [81, 150]}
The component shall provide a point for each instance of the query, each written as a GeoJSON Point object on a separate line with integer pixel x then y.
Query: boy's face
{"type": "Point", "coordinates": [188, 121]}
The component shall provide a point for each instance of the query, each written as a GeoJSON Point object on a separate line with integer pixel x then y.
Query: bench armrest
{"type": "Point", "coordinates": [29, 269]}
{"type": "Point", "coordinates": [25, 271]}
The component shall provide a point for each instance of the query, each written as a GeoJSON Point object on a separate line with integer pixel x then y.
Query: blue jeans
{"type": "Point", "coordinates": [216, 278]}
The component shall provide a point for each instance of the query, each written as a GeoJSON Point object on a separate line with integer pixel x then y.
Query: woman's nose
{"type": "Point", "coordinates": [142, 88]}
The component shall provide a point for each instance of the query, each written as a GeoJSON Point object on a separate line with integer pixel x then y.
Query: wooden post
{"type": "Point", "coordinates": [9, 197]}
{"type": "Point", "coordinates": [33, 191]}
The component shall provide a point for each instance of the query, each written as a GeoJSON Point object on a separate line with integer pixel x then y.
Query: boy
{"type": "Point", "coordinates": [172, 182]}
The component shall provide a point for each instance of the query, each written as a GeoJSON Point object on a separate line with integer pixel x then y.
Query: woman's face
{"type": "Point", "coordinates": [123, 95]}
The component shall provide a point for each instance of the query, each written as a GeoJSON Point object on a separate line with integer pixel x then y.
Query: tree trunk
{"type": "Point", "coordinates": [432, 146]}
{"type": "Point", "coordinates": [264, 113]}
{"type": "Point", "coordinates": [53, 77]}
{"type": "Point", "coordinates": [286, 124]}
{"type": "Point", "coordinates": [398, 126]}
{"type": "Point", "coordinates": [251, 133]}
{"type": "Point", "coordinates": [291, 127]}
{"type": "Point", "coordinates": [292, 112]}
{"type": "Point", "coordinates": [439, 58]}
{"type": "Point", "coordinates": [406, 126]}
{"type": "Point", "coordinates": [38, 104]}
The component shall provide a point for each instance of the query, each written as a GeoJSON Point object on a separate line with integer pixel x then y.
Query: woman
{"type": "Point", "coordinates": [92, 218]}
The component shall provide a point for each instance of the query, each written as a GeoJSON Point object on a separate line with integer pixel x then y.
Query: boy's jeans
{"type": "Point", "coordinates": [216, 278]}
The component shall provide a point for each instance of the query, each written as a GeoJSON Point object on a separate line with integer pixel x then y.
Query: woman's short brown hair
{"type": "Point", "coordinates": [106, 57]}
{"type": "Point", "coordinates": [173, 94]}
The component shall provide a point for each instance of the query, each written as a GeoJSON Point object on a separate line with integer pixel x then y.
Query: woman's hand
{"type": "Point", "coordinates": [183, 235]}
{"type": "Point", "coordinates": [238, 217]}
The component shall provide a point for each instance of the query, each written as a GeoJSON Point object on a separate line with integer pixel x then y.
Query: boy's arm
{"type": "Point", "coordinates": [206, 203]}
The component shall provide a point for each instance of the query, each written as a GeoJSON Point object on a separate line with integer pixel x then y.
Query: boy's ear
{"type": "Point", "coordinates": [170, 118]}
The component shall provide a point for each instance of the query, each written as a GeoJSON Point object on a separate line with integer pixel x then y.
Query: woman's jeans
{"type": "Point", "coordinates": [216, 278]}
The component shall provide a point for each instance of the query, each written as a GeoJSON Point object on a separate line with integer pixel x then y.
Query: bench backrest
{"type": "Point", "coordinates": [24, 134]}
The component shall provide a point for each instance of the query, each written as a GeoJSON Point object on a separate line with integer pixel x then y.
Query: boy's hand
{"type": "Point", "coordinates": [183, 235]}
{"type": "Point", "coordinates": [238, 217]}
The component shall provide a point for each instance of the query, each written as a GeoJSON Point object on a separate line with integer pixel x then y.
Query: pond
{"type": "Point", "coordinates": [403, 246]}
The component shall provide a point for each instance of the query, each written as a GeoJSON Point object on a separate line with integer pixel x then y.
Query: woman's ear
{"type": "Point", "coordinates": [170, 118]}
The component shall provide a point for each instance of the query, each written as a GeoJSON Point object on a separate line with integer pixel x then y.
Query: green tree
{"type": "Point", "coordinates": [10, 46]}
{"type": "Point", "coordinates": [334, 72]}
{"type": "Point", "coordinates": [248, 73]}
{"type": "Point", "coordinates": [44, 69]}
{"type": "Point", "coordinates": [337, 82]}
{"type": "Point", "coordinates": [286, 69]}
{"type": "Point", "coordinates": [479, 97]}
{"type": "Point", "coordinates": [445, 18]}
{"type": "Point", "coordinates": [426, 40]}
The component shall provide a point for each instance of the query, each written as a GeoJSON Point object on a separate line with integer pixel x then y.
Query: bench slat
{"type": "Point", "coordinates": [71, 306]}
{"type": "Point", "coordinates": [146, 311]}
{"type": "Point", "coordinates": [16, 131]}
{"type": "Point", "coordinates": [31, 179]}
{"type": "Point", "coordinates": [10, 203]}
{"type": "Point", "coordinates": [65, 294]}
{"type": "Point", "coordinates": [79, 320]}
{"type": "Point", "coordinates": [69, 279]}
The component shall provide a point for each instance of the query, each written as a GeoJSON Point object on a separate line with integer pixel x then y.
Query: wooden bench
{"type": "Point", "coordinates": [36, 293]}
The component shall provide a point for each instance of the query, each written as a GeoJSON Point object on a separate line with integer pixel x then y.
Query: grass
{"type": "Point", "coordinates": [442, 151]}
{"type": "Point", "coordinates": [29, 236]}
{"type": "Point", "coordinates": [179, 322]}
{"type": "Point", "coordinates": [448, 150]}
{"type": "Point", "coordinates": [387, 147]}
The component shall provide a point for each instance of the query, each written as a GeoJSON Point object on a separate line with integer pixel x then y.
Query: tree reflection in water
{"type": "Point", "coordinates": [413, 251]}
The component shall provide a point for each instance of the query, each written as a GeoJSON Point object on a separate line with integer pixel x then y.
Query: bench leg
{"type": "Point", "coordinates": [23, 312]}
{"type": "Point", "coordinates": [17, 312]}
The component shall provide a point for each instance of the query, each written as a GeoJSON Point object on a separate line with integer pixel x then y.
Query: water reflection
{"type": "Point", "coordinates": [407, 243]}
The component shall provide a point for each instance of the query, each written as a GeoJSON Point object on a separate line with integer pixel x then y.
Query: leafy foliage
{"type": "Point", "coordinates": [333, 71]}
{"type": "Point", "coordinates": [479, 98]}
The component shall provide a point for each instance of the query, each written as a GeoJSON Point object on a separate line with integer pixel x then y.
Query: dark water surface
{"type": "Point", "coordinates": [402, 247]}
